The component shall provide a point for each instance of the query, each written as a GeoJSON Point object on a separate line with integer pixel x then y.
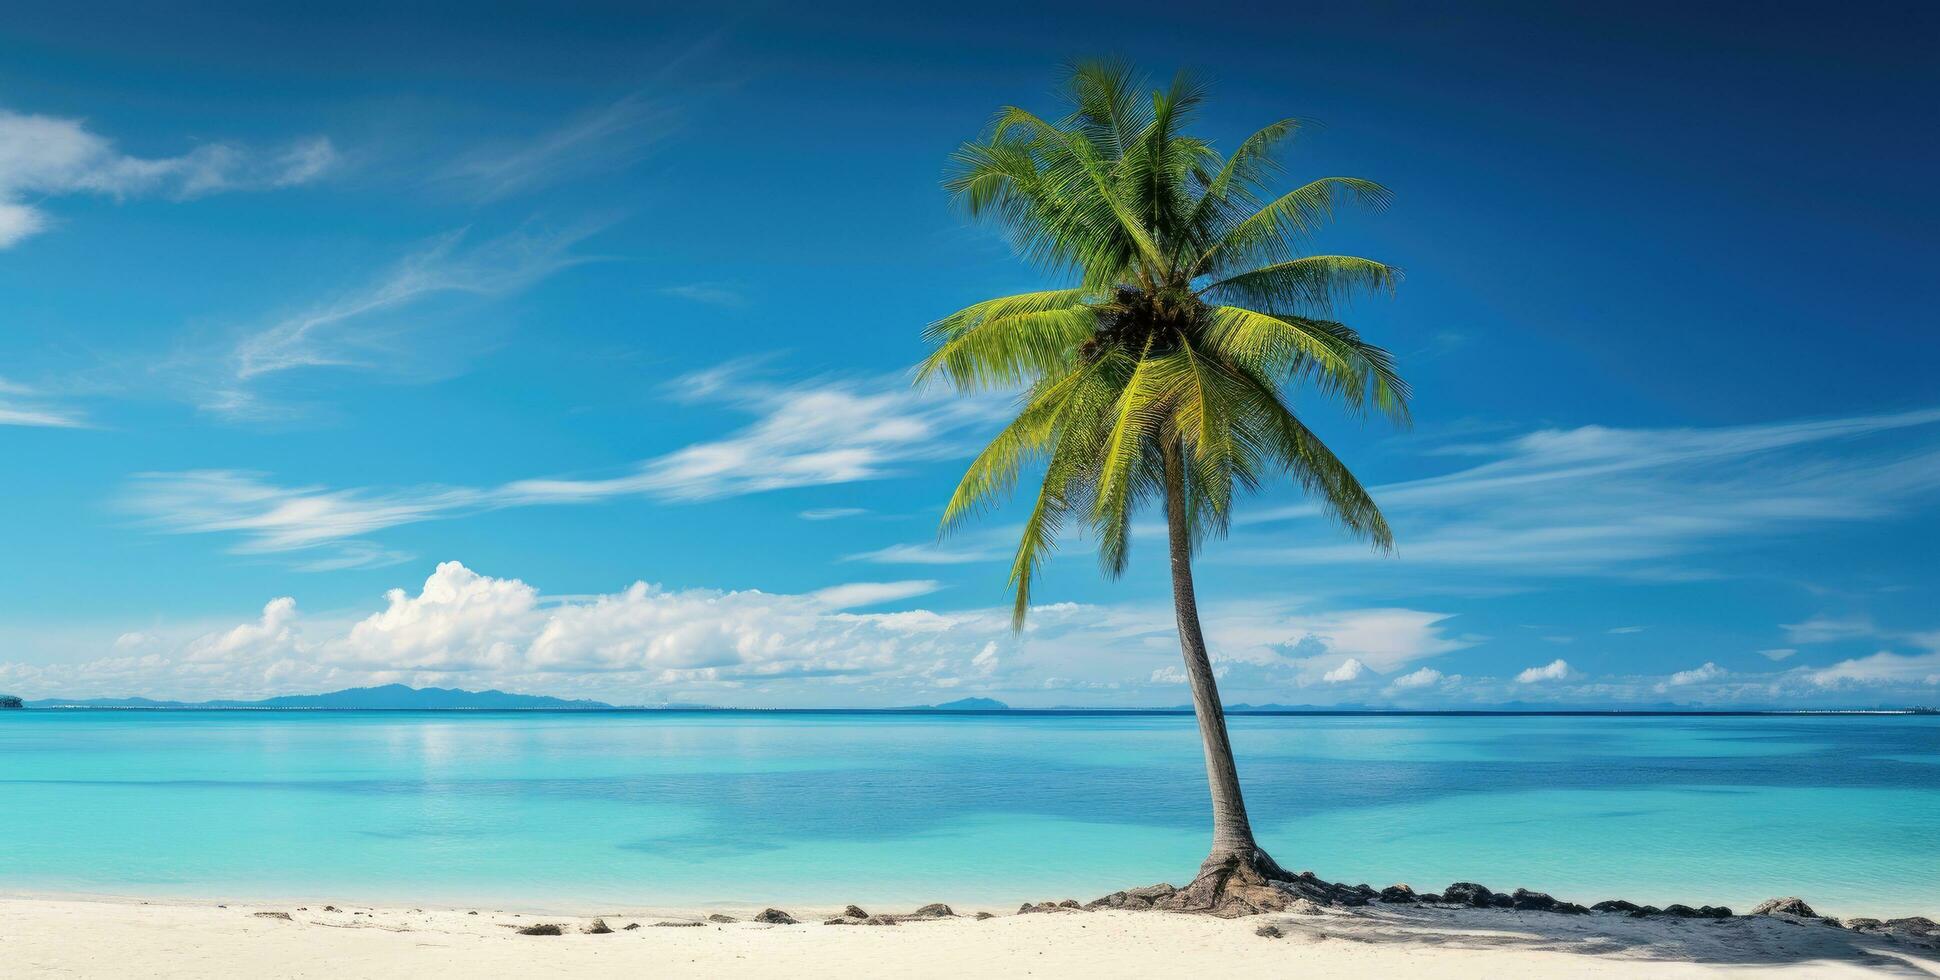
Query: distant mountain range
{"type": "Point", "coordinates": [398, 697]}
{"type": "Point", "coordinates": [390, 696]}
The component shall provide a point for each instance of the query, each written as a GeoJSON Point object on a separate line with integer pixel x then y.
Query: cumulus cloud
{"type": "Point", "coordinates": [1425, 677]}
{"type": "Point", "coordinates": [47, 156]}
{"type": "Point", "coordinates": [1349, 670]}
{"type": "Point", "coordinates": [1555, 670]}
{"type": "Point", "coordinates": [646, 644]}
{"type": "Point", "coordinates": [1705, 674]}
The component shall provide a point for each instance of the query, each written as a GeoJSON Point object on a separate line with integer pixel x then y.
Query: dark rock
{"type": "Point", "coordinates": [670, 924]}
{"type": "Point", "coordinates": [471, 913]}
{"type": "Point", "coordinates": [1913, 927]}
{"type": "Point", "coordinates": [1863, 924]}
{"type": "Point", "coordinates": [840, 921]}
{"type": "Point", "coordinates": [631, 926]}
{"type": "Point", "coordinates": [718, 917]}
{"type": "Point", "coordinates": [597, 927]}
{"type": "Point", "coordinates": [1431, 898]}
{"type": "Point", "coordinates": [1501, 901]}
{"type": "Point", "coordinates": [1040, 907]}
{"type": "Point", "coordinates": [1467, 893]}
{"type": "Point", "coordinates": [1713, 912]}
{"type": "Point", "coordinates": [1152, 893]}
{"type": "Point", "coordinates": [776, 917]}
{"type": "Point", "coordinates": [1268, 932]}
{"type": "Point", "coordinates": [1527, 901]}
{"type": "Point", "coordinates": [1570, 908]}
{"type": "Point", "coordinates": [1398, 895]}
{"type": "Point", "coordinates": [1681, 911]}
{"type": "Point", "coordinates": [881, 920]}
{"type": "Point", "coordinates": [1645, 911]}
{"type": "Point", "coordinates": [1785, 906]}
{"type": "Point", "coordinates": [1070, 903]}
{"type": "Point", "coordinates": [542, 929]}
{"type": "Point", "coordinates": [855, 912]}
{"type": "Point", "coordinates": [285, 916]}
{"type": "Point", "coordinates": [937, 910]}
{"type": "Point", "coordinates": [332, 908]}
{"type": "Point", "coordinates": [1616, 905]}
{"type": "Point", "coordinates": [980, 916]}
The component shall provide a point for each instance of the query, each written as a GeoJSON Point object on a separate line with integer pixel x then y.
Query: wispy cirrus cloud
{"type": "Point", "coordinates": [1605, 501]}
{"type": "Point", "coordinates": [386, 325]}
{"type": "Point", "coordinates": [816, 433]}
{"type": "Point", "coordinates": [24, 405]}
{"type": "Point", "coordinates": [45, 156]}
{"type": "Point", "coordinates": [603, 138]}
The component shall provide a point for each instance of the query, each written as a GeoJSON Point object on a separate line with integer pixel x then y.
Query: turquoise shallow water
{"type": "Point", "coordinates": [607, 810]}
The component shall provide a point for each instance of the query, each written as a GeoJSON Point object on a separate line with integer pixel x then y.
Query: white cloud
{"type": "Point", "coordinates": [1696, 675]}
{"type": "Point", "coordinates": [25, 406]}
{"type": "Point", "coordinates": [1425, 677]}
{"type": "Point", "coordinates": [1555, 670]}
{"type": "Point", "coordinates": [647, 644]}
{"type": "Point", "coordinates": [1349, 670]}
{"type": "Point", "coordinates": [1884, 667]}
{"type": "Point", "coordinates": [872, 593]}
{"type": "Point", "coordinates": [707, 293]}
{"type": "Point", "coordinates": [1777, 653]}
{"type": "Point", "coordinates": [365, 328]}
{"type": "Point", "coordinates": [48, 156]}
{"type": "Point", "coordinates": [1640, 502]}
{"type": "Point", "coordinates": [1828, 629]}
{"type": "Point", "coordinates": [1626, 630]}
{"type": "Point", "coordinates": [806, 435]}
{"type": "Point", "coordinates": [605, 138]}
{"type": "Point", "coordinates": [831, 513]}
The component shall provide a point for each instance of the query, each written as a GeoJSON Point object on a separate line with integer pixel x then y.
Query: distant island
{"type": "Point", "coordinates": [963, 704]}
{"type": "Point", "coordinates": [392, 697]}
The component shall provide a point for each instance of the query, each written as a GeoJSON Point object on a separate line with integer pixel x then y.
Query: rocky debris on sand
{"type": "Point", "coordinates": [776, 917]}
{"type": "Point", "coordinates": [1785, 906]}
{"type": "Point", "coordinates": [1028, 907]}
{"type": "Point", "coordinates": [881, 920]}
{"type": "Point", "coordinates": [285, 916]}
{"type": "Point", "coordinates": [629, 927]}
{"type": "Point", "coordinates": [332, 908]}
{"type": "Point", "coordinates": [597, 927]}
{"type": "Point", "coordinates": [1524, 900]}
{"type": "Point", "coordinates": [1268, 932]}
{"type": "Point", "coordinates": [1398, 895]}
{"type": "Point", "coordinates": [718, 917]}
{"type": "Point", "coordinates": [1301, 906]}
{"type": "Point", "coordinates": [934, 910]}
{"type": "Point", "coordinates": [1467, 893]}
{"type": "Point", "coordinates": [854, 912]}
{"type": "Point", "coordinates": [1914, 928]}
{"type": "Point", "coordinates": [1134, 898]}
{"type": "Point", "coordinates": [670, 924]}
{"type": "Point", "coordinates": [542, 929]}
{"type": "Point", "coordinates": [980, 916]}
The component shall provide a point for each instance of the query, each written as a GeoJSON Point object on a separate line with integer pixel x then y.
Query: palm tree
{"type": "Point", "coordinates": [1158, 375]}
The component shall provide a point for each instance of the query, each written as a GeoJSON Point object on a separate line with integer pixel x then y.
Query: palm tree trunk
{"type": "Point", "coordinates": [1232, 845]}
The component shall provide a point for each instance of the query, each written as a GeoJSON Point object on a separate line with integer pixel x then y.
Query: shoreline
{"type": "Point", "coordinates": [119, 937]}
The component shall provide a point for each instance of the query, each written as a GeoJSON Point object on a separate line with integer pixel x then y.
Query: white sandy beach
{"type": "Point", "coordinates": [108, 938]}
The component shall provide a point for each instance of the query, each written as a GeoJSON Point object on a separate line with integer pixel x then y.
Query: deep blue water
{"type": "Point", "coordinates": [654, 809]}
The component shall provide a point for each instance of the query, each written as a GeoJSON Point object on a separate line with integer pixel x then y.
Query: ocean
{"type": "Point", "coordinates": [613, 810]}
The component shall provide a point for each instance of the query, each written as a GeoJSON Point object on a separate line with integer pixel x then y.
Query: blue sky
{"type": "Point", "coordinates": [567, 352]}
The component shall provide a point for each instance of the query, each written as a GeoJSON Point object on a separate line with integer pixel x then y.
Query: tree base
{"type": "Point", "coordinates": [1239, 883]}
